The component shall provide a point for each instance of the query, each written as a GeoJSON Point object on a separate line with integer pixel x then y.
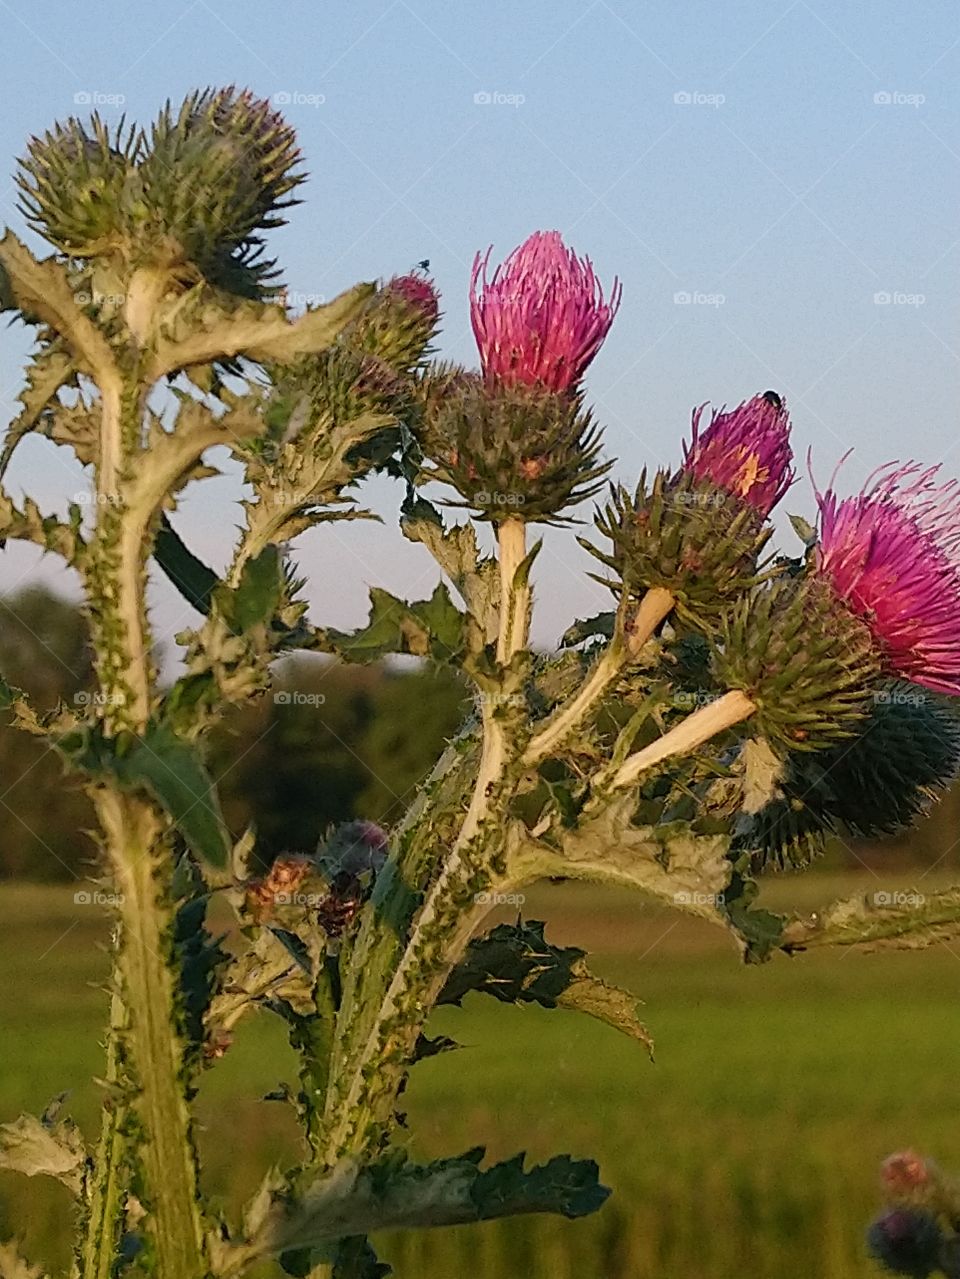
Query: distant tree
{"type": "Point", "coordinates": [44, 818]}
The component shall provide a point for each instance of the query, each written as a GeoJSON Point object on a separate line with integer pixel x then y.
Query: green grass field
{"type": "Point", "coordinates": [749, 1150]}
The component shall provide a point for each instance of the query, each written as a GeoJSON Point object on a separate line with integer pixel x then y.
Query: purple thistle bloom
{"type": "Point", "coordinates": [745, 451]}
{"type": "Point", "coordinates": [906, 1242]}
{"type": "Point", "coordinates": [892, 553]}
{"type": "Point", "coordinates": [542, 317]}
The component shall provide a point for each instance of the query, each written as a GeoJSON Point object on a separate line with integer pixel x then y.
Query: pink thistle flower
{"type": "Point", "coordinates": [745, 451]}
{"type": "Point", "coordinates": [542, 316]}
{"type": "Point", "coordinates": [420, 292]}
{"type": "Point", "coordinates": [892, 553]}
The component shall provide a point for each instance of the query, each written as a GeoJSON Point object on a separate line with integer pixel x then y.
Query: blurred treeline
{"type": "Point", "coordinates": [349, 741]}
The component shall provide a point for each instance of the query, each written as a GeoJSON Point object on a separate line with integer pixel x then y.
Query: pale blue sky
{"type": "Point", "coordinates": [782, 195]}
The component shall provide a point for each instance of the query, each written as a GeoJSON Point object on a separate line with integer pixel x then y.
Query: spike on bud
{"type": "Point", "coordinates": [540, 319]}
{"type": "Point", "coordinates": [892, 553]}
{"type": "Point", "coordinates": [746, 451]}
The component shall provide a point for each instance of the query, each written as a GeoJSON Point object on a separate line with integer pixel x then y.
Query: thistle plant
{"type": "Point", "coordinates": [727, 714]}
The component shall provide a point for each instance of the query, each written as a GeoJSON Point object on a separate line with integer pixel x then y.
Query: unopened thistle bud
{"type": "Point", "coordinates": [216, 174]}
{"type": "Point", "coordinates": [72, 186]}
{"type": "Point", "coordinates": [399, 321]}
{"type": "Point", "coordinates": [699, 533]}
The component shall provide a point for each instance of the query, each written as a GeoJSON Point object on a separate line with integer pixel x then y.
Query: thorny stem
{"type": "Point", "coordinates": [512, 637]}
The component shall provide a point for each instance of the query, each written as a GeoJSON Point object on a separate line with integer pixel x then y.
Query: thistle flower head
{"type": "Point", "coordinates": [746, 452]}
{"type": "Point", "coordinates": [542, 316]}
{"type": "Point", "coordinates": [906, 1241]}
{"type": "Point", "coordinates": [72, 182]}
{"type": "Point", "coordinates": [905, 1172]}
{"type": "Point", "coordinates": [399, 322]}
{"type": "Point", "coordinates": [356, 848]}
{"type": "Point", "coordinates": [892, 553]}
{"type": "Point", "coordinates": [420, 292]}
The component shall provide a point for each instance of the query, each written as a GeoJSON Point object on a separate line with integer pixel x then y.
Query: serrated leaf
{"type": "Point", "coordinates": [41, 290]}
{"type": "Point", "coordinates": [425, 628]}
{"type": "Point", "coordinates": [352, 1201]}
{"type": "Point", "coordinates": [611, 1004]}
{"type": "Point", "coordinates": [516, 964]}
{"type": "Point", "coordinates": [254, 600]}
{"type": "Point", "coordinates": [601, 624]}
{"type": "Point", "coordinates": [570, 1187]}
{"type": "Point", "coordinates": [260, 333]}
{"type": "Point", "coordinates": [175, 773]}
{"type": "Point", "coordinates": [48, 1147]}
{"type": "Point", "coordinates": [171, 769]}
{"type": "Point", "coordinates": [475, 577]}
{"type": "Point", "coordinates": [48, 370]}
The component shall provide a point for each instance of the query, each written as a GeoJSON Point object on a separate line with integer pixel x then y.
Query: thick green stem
{"type": "Point", "coordinates": [138, 855]}
{"type": "Point", "coordinates": [456, 903]}
{"type": "Point", "coordinates": [147, 977]}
